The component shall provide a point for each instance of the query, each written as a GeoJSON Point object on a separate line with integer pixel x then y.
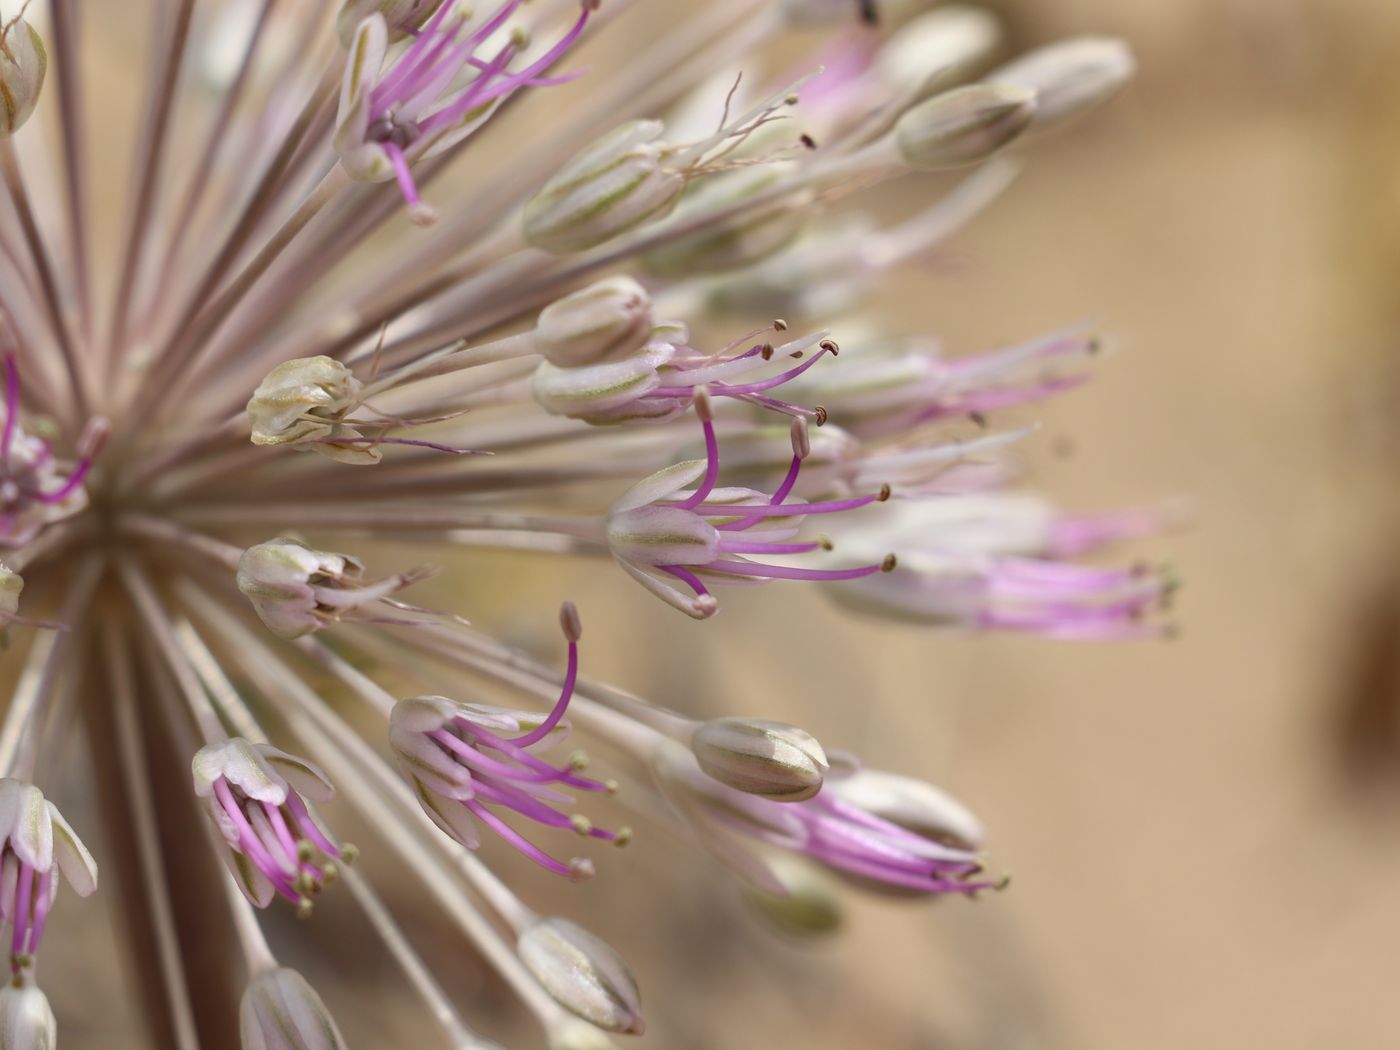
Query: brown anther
{"type": "Point", "coordinates": [808, 141]}
{"type": "Point", "coordinates": [825, 543]}
{"type": "Point", "coordinates": [796, 355]}
{"type": "Point", "coordinates": [829, 345]}
{"type": "Point", "coordinates": [889, 563]}
{"type": "Point", "coordinates": [791, 100]}
{"type": "Point", "coordinates": [570, 622]}
{"type": "Point", "coordinates": [779, 325]}
{"type": "Point", "coordinates": [1093, 346]}
{"type": "Point", "coordinates": [766, 351]}
{"type": "Point", "coordinates": [978, 418]}
{"type": "Point", "coordinates": [868, 13]}
{"type": "Point", "coordinates": [819, 414]}
{"type": "Point", "coordinates": [884, 492]}
{"type": "Point", "coordinates": [623, 837]}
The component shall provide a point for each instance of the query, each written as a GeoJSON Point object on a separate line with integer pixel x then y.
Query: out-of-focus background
{"type": "Point", "coordinates": [1203, 834]}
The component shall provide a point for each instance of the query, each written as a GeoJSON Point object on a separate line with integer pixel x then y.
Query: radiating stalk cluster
{"type": "Point", "coordinates": [551, 370]}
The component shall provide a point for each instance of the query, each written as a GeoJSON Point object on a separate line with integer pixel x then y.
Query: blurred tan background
{"type": "Point", "coordinates": [1204, 834]}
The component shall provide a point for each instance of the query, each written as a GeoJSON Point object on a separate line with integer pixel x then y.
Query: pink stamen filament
{"type": "Point", "coordinates": [561, 705]}
{"type": "Point", "coordinates": [11, 407]}
{"type": "Point", "coordinates": [707, 484]}
{"type": "Point", "coordinates": [787, 572]}
{"type": "Point", "coordinates": [22, 918]}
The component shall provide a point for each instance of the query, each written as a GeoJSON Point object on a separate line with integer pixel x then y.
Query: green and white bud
{"type": "Point", "coordinates": [301, 403]}
{"type": "Point", "coordinates": [11, 586]}
{"type": "Point", "coordinates": [583, 974]}
{"type": "Point", "coordinates": [963, 126]}
{"type": "Point", "coordinates": [622, 180]}
{"type": "Point", "coordinates": [742, 240]}
{"type": "Point", "coordinates": [1070, 77]}
{"type": "Point", "coordinates": [936, 50]}
{"type": "Point", "coordinates": [809, 903]}
{"type": "Point", "coordinates": [914, 805]}
{"type": "Point", "coordinates": [23, 63]}
{"type": "Point", "coordinates": [280, 1011]}
{"type": "Point", "coordinates": [296, 590]}
{"type": "Point", "coordinates": [399, 15]}
{"type": "Point", "coordinates": [574, 1034]}
{"type": "Point", "coordinates": [603, 322]}
{"type": "Point", "coordinates": [771, 759]}
{"type": "Point", "coordinates": [608, 392]}
{"type": "Point", "coordinates": [26, 1019]}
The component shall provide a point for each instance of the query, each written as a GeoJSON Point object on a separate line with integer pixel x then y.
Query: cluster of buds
{"type": "Point", "coordinates": [632, 175]}
{"type": "Point", "coordinates": [993, 561]}
{"type": "Point", "coordinates": [296, 590]}
{"type": "Point", "coordinates": [257, 797]}
{"type": "Point", "coordinates": [280, 1011]}
{"type": "Point", "coordinates": [36, 846]}
{"type": "Point", "coordinates": [23, 63]}
{"type": "Point", "coordinates": [309, 404]}
{"type": "Point", "coordinates": [661, 525]}
{"type": "Point", "coordinates": [882, 830]}
{"type": "Point", "coordinates": [464, 759]}
{"type": "Point", "coordinates": [397, 111]}
{"type": "Point", "coordinates": [34, 490]}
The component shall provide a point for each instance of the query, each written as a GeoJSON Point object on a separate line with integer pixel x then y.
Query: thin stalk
{"type": "Point", "coordinates": [70, 101]}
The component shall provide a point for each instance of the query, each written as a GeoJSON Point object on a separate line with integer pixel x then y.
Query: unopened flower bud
{"type": "Point", "coordinates": [963, 126]}
{"type": "Point", "coordinates": [808, 903]}
{"type": "Point", "coordinates": [1069, 77]}
{"type": "Point", "coordinates": [742, 240]}
{"type": "Point", "coordinates": [401, 16]}
{"type": "Point", "coordinates": [26, 1019]}
{"type": "Point", "coordinates": [295, 589]}
{"type": "Point", "coordinates": [605, 321]}
{"type": "Point", "coordinates": [936, 49]}
{"type": "Point", "coordinates": [281, 1011]}
{"type": "Point", "coordinates": [300, 403]}
{"type": "Point", "coordinates": [23, 63]}
{"type": "Point", "coordinates": [618, 182]}
{"type": "Point", "coordinates": [574, 1034]}
{"type": "Point", "coordinates": [583, 974]}
{"type": "Point", "coordinates": [11, 586]}
{"type": "Point", "coordinates": [771, 759]}
{"type": "Point", "coordinates": [914, 805]}
{"type": "Point", "coordinates": [610, 391]}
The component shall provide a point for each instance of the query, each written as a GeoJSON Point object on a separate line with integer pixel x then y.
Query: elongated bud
{"type": "Point", "coordinates": [23, 63]}
{"type": "Point", "coordinates": [618, 182]}
{"type": "Point", "coordinates": [281, 1011]}
{"type": "Point", "coordinates": [911, 804]}
{"type": "Point", "coordinates": [935, 50]}
{"type": "Point", "coordinates": [963, 126]}
{"type": "Point", "coordinates": [574, 1034]}
{"type": "Point", "coordinates": [400, 16]}
{"type": "Point", "coordinates": [732, 243]}
{"type": "Point", "coordinates": [771, 759]}
{"type": "Point", "coordinates": [26, 1019]}
{"type": "Point", "coordinates": [602, 322]}
{"type": "Point", "coordinates": [583, 974]}
{"type": "Point", "coordinates": [808, 903]}
{"type": "Point", "coordinates": [1069, 77]}
{"type": "Point", "coordinates": [11, 586]}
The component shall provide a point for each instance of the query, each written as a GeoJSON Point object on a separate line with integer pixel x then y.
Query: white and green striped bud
{"type": "Point", "coordinates": [401, 16]}
{"type": "Point", "coordinates": [963, 126]}
{"type": "Point", "coordinates": [603, 322]}
{"type": "Point", "coordinates": [280, 1011]}
{"type": "Point", "coordinates": [583, 974]}
{"type": "Point", "coordinates": [619, 182]}
{"type": "Point", "coordinates": [739, 240]}
{"type": "Point", "coordinates": [23, 63]}
{"type": "Point", "coordinates": [609, 392]}
{"type": "Point", "coordinates": [1070, 77]}
{"type": "Point", "coordinates": [936, 50]}
{"type": "Point", "coordinates": [26, 1019]}
{"type": "Point", "coordinates": [770, 759]}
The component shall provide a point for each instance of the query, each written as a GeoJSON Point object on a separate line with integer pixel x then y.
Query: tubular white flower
{"type": "Point", "coordinates": [1069, 77]}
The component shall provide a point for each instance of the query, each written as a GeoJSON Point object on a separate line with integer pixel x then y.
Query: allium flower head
{"type": "Point", "coordinates": [581, 360]}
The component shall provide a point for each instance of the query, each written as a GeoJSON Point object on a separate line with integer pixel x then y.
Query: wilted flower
{"type": "Point", "coordinates": [262, 301]}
